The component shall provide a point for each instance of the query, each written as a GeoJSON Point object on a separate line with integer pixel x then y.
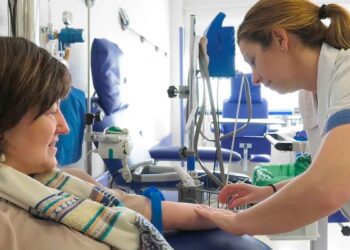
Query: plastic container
{"type": "Point", "coordinates": [271, 174]}
{"type": "Point", "coordinates": [190, 194]}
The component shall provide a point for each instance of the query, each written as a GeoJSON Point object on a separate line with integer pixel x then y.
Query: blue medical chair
{"type": "Point", "coordinates": [251, 137]}
{"type": "Point", "coordinates": [105, 71]}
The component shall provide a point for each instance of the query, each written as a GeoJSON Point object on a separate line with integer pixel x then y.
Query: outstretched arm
{"type": "Point", "coordinates": [321, 190]}
{"type": "Point", "coordinates": [175, 215]}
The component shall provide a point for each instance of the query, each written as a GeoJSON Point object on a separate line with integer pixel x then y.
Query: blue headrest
{"type": "Point", "coordinates": [255, 90]}
{"type": "Point", "coordinates": [69, 146]}
{"type": "Point", "coordinates": [221, 48]}
{"type": "Point", "coordinates": [107, 75]}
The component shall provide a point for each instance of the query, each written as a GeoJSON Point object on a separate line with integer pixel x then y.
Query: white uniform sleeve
{"type": "Point", "coordinates": [339, 102]}
{"type": "Point", "coordinates": [340, 88]}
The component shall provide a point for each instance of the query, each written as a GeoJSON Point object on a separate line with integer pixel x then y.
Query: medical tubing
{"type": "Point", "coordinates": [196, 138]}
{"type": "Point", "coordinates": [250, 112]}
{"type": "Point", "coordinates": [235, 126]}
{"type": "Point", "coordinates": [191, 80]}
{"type": "Point", "coordinates": [204, 71]}
{"type": "Point", "coordinates": [216, 125]}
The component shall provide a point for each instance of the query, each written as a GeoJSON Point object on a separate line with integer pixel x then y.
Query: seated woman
{"type": "Point", "coordinates": [42, 207]}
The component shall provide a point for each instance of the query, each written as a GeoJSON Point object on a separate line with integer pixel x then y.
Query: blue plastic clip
{"type": "Point", "coordinates": [156, 198]}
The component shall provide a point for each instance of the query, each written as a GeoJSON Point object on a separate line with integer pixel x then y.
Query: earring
{"type": "Point", "coordinates": [2, 158]}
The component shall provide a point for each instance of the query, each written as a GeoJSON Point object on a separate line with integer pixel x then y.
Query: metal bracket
{"type": "Point", "coordinates": [90, 3]}
{"type": "Point", "coordinates": [125, 21]}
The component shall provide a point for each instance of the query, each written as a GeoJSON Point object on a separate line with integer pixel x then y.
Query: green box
{"type": "Point", "coordinates": [271, 174]}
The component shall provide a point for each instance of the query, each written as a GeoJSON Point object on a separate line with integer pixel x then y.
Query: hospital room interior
{"type": "Point", "coordinates": [162, 97]}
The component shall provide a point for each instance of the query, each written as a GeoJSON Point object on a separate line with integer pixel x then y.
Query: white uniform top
{"type": "Point", "coordinates": [331, 107]}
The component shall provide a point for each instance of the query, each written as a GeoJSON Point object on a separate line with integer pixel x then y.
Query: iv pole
{"type": "Point", "coordinates": [89, 4]}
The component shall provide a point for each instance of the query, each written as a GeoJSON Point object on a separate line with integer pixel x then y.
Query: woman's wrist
{"type": "Point", "coordinates": [273, 187]}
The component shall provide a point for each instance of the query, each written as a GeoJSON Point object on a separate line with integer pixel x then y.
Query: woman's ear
{"type": "Point", "coordinates": [280, 37]}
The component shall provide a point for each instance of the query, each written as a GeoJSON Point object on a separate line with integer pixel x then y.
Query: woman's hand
{"type": "Point", "coordinates": [222, 218]}
{"type": "Point", "coordinates": [235, 195]}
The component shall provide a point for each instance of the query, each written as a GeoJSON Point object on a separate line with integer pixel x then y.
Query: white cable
{"type": "Point", "coordinates": [126, 171]}
{"type": "Point", "coordinates": [235, 127]}
{"type": "Point", "coordinates": [186, 179]}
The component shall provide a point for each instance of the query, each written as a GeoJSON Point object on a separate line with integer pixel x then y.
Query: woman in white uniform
{"type": "Point", "coordinates": [289, 48]}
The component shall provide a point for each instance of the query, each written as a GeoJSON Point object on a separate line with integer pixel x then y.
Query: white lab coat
{"type": "Point", "coordinates": [333, 95]}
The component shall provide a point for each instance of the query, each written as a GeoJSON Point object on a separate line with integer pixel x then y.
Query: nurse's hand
{"type": "Point", "coordinates": [222, 218]}
{"type": "Point", "coordinates": [235, 195]}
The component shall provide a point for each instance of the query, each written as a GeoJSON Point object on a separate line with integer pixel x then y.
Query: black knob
{"type": "Point", "coordinates": [99, 116]}
{"type": "Point", "coordinates": [89, 118]}
{"type": "Point", "coordinates": [345, 230]}
{"type": "Point", "coordinates": [172, 91]}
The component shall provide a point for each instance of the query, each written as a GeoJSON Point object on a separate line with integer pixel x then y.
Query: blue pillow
{"type": "Point", "coordinates": [107, 75]}
{"type": "Point", "coordinates": [69, 146]}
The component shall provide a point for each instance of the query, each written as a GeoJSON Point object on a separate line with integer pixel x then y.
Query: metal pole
{"type": "Point", "coordinates": [88, 126]}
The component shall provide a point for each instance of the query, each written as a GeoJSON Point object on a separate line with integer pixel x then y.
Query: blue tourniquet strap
{"type": "Point", "coordinates": [156, 198]}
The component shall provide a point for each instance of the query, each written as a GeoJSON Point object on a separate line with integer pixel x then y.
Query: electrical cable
{"type": "Point", "coordinates": [13, 15]}
{"type": "Point", "coordinates": [204, 72]}
{"type": "Point", "coordinates": [235, 128]}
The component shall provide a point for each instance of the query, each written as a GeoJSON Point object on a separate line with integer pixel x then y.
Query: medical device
{"type": "Point", "coordinates": [215, 55]}
{"type": "Point", "coordinates": [285, 143]}
{"type": "Point", "coordinates": [113, 143]}
{"type": "Point", "coordinates": [59, 42]}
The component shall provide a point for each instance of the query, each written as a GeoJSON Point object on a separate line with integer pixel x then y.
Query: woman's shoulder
{"type": "Point", "coordinates": [24, 231]}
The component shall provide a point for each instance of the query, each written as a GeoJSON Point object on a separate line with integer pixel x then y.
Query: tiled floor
{"type": "Point", "coordinates": [336, 241]}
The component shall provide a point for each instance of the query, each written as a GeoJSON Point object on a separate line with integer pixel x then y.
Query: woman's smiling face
{"type": "Point", "coordinates": [30, 145]}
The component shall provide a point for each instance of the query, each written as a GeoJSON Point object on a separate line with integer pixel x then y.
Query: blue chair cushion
{"type": "Point", "coordinates": [107, 75]}
{"type": "Point", "coordinates": [256, 158]}
{"type": "Point", "coordinates": [212, 239]}
{"type": "Point", "coordinates": [337, 217]}
{"type": "Point", "coordinates": [171, 153]}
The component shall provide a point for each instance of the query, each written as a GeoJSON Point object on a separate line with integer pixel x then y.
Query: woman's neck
{"type": "Point", "coordinates": [307, 61]}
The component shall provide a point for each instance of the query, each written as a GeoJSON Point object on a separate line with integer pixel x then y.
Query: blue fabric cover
{"type": "Point", "coordinates": [213, 239]}
{"type": "Point", "coordinates": [107, 75]}
{"type": "Point", "coordinates": [69, 146]}
{"type": "Point", "coordinates": [220, 48]}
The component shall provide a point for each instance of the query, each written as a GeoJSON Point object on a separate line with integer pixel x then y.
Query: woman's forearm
{"type": "Point", "coordinates": [180, 215]}
{"type": "Point", "coordinates": [290, 208]}
{"type": "Point", "coordinates": [281, 184]}
{"type": "Point", "coordinates": [175, 215]}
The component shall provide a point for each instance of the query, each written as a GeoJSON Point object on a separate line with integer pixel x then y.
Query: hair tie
{"type": "Point", "coordinates": [322, 12]}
